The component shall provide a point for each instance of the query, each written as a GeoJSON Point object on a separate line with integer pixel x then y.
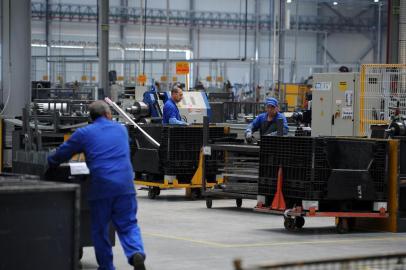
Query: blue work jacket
{"type": "Point", "coordinates": [106, 147]}
{"type": "Point", "coordinates": [267, 127]}
{"type": "Point", "coordinates": [170, 111]}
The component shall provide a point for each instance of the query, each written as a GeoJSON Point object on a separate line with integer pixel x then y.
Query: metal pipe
{"type": "Point", "coordinates": [166, 71]}
{"type": "Point", "coordinates": [145, 35]}
{"type": "Point", "coordinates": [128, 118]}
{"type": "Point", "coordinates": [141, 34]}
{"type": "Point", "coordinates": [47, 32]}
{"type": "Point", "coordinates": [296, 38]}
{"type": "Point", "coordinates": [256, 51]}
{"type": "Point", "coordinates": [104, 47]}
{"type": "Point", "coordinates": [274, 43]}
{"type": "Point", "coordinates": [379, 31]}
{"type": "Point", "coordinates": [246, 31]}
{"type": "Point", "coordinates": [160, 60]}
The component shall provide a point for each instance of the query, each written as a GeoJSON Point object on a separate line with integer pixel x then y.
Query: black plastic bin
{"type": "Point", "coordinates": [39, 224]}
{"type": "Point", "coordinates": [340, 173]}
{"type": "Point", "coordinates": [178, 153]}
{"type": "Point", "coordinates": [61, 174]}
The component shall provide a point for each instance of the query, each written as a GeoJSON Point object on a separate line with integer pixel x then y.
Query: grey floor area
{"type": "Point", "coordinates": [184, 234]}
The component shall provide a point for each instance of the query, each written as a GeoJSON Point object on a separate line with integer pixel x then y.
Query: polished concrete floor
{"type": "Point", "coordinates": [181, 234]}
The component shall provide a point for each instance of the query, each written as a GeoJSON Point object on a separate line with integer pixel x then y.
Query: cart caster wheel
{"type": "Point", "coordinates": [238, 202]}
{"type": "Point", "coordinates": [209, 203]}
{"type": "Point", "coordinates": [299, 222]}
{"type": "Point", "coordinates": [342, 226]}
{"type": "Point", "coordinates": [195, 194]}
{"type": "Point", "coordinates": [154, 192]}
{"type": "Point", "coordinates": [289, 224]}
{"type": "Point", "coordinates": [80, 253]}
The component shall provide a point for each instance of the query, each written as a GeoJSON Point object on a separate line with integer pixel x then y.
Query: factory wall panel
{"type": "Point", "coordinates": [234, 6]}
{"type": "Point", "coordinates": [72, 31]}
{"type": "Point", "coordinates": [161, 4]}
{"type": "Point", "coordinates": [225, 44]}
{"type": "Point", "coordinates": [157, 35]}
{"type": "Point", "coordinates": [349, 52]}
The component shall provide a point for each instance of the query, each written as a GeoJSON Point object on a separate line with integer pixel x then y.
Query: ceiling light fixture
{"type": "Point", "coordinates": [335, 3]}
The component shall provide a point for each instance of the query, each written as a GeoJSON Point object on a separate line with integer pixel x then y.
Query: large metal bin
{"type": "Point", "coordinates": [39, 224]}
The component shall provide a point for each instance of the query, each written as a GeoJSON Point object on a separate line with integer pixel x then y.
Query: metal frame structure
{"type": "Point", "coordinates": [328, 21]}
{"type": "Point", "coordinates": [201, 19]}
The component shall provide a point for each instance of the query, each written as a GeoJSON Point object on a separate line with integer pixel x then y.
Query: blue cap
{"type": "Point", "coordinates": [271, 102]}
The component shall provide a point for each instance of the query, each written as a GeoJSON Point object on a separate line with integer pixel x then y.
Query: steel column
{"type": "Point", "coordinates": [16, 56]}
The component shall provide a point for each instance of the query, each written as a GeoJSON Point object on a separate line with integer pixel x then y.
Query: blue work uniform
{"type": "Point", "coordinates": [171, 113]}
{"type": "Point", "coordinates": [266, 127]}
{"type": "Point", "coordinates": [112, 192]}
{"type": "Point", "coordinates": [150, 98]}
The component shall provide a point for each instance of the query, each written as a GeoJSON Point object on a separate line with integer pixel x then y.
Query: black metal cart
{"type": "Point", "coordinates": [240, 173]}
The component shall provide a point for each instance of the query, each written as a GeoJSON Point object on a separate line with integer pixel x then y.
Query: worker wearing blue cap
{"type": "Point", "coordinates": [266, 122]}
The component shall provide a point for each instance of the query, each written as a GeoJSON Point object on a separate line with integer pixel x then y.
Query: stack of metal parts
{"type": "Point", "coordinates": [327, 170]}
{"type": "Point", "coordinates": [240, 170]}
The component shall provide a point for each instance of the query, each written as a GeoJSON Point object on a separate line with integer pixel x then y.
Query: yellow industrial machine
{"type": "Point", "coordinates": [294, 95]}
{"type": "Point", "coordinates": [193, 188]}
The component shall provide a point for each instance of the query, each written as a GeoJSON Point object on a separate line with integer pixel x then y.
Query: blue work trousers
{"type": "Point", "coordinates": [121, 211]}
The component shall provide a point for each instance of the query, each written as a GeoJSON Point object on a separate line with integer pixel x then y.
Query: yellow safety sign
{"type": "Point", "coordinates": [343, 86]}
{"type": "Point", "coordinates": [182, 68]}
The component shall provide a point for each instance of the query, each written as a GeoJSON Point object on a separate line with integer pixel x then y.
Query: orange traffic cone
{"type": "Point", "coordinates": [278, 202]}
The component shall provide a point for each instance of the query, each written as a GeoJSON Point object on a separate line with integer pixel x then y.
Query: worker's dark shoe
{"type": "Point", "coordinates": [138, 262]}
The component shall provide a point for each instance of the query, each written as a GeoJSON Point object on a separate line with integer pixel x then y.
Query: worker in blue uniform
{"type": "Point", "coordinates": [112, 193]}
{"type": "Point", "coordinates": [266, 122]}
{"type": "Point", "coordinates": [171, 113]}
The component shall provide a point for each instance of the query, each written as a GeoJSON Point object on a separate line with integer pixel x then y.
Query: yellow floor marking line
{"type": "Point", "coordinates": [207, 243]}
{"type": "Point", "coordinates": [283, 243]}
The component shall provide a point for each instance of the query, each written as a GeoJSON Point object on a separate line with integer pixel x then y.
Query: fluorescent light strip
{"type": "Point", "coordinates": [36, 45]}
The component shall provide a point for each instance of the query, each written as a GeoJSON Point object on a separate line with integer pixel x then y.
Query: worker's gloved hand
{"type": "Point", "coordinates": [248, 137]}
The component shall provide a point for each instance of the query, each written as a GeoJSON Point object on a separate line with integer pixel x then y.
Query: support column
{"type": "Point", "coordinates": [16, 56]}
{"type": "Point", "coordinates": [281, 45]}
{"type": "Point", "coordinates": [393, 32]}
{"type": "Point", "coordinates": [402, 33]}
{"type": "Point", "coordinates": [104, 46]}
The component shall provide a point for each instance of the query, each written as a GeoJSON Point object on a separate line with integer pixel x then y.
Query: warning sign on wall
{"type": "Point", "coordinates": [142, 78]}
{"type": "Point", "coordinates": [182, 68]}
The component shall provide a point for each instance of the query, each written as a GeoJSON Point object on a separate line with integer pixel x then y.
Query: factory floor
{"type": "Point", "coordinates": [181, 234]}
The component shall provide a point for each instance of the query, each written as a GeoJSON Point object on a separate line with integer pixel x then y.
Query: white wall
{"type": "Point", "coordinates": [213, 43]}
